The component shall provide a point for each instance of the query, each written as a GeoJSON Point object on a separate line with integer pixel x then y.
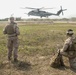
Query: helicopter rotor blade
{"type": "Point", "coordinates": [61, 7]}
{"type": "Point", "coordinates": [22, 8]}
{"type": "Point", "coordinates": [29, 8]}
{"type": "Point", "coordinates": [35, 8]}
{"type": "Point", "coordinates": [62, 13]}
{"type": "Point", "coordinates": [62, 10]}
{"type": "Point", "coordinates": [47, 8]}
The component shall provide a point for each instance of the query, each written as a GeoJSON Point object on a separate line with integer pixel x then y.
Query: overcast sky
{"type": "Point", "coordinates": [8, 7]}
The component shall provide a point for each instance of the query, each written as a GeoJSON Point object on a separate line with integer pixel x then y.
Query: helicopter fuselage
{"type": "Point", "coordinates": [40, 13]}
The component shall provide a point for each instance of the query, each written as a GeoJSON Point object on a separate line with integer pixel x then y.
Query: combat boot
{"type": "Point", "coordinates": [15, 60]}
{"type": "Point", "coordinates": [9, 58]}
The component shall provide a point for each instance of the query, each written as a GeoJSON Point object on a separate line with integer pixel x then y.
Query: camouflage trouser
{"type": "Point", "coordinates": [72, 58]}
{"type": "Point", "coordinates": [12, 45]}
{"type": "Point", "coordinates": [72, 62]}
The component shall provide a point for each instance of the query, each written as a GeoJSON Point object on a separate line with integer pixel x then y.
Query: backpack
{"type": "Point", "coordinates": [71, 50]}
{"type": "Point", "coordinates": [10, 29]}
{"type": "Point", "coordinates": [74, 43]}
{"type": "Point", "coordinates": [56, 60]}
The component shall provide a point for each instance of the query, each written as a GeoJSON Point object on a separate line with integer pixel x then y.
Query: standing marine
{"type": "Point", "coordinates": [12, 31]}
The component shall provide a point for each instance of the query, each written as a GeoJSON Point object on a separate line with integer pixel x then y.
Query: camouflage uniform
{"type": "Point", "coordinates": [12, 32]}
{"type": "Point", "coordinates": [69, 49]}
{"type": "Point", "coordinates": [65, 52]}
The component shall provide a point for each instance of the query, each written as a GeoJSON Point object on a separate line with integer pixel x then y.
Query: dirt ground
{"type": "Point", "coordinates": [34, 65]}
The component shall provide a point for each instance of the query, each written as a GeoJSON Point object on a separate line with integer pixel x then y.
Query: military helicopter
{"type": "Point", "coordinates": [40, 13]}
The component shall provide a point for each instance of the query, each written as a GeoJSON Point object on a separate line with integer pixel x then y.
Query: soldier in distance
{"type": "Point", "coordinates": [12, 31]}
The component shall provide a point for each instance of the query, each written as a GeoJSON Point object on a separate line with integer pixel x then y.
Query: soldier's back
{"type": "Point", "coordinates": [10, 28]}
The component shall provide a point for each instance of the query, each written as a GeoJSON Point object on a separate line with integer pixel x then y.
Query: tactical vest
{"type": "Point", "coordinates": [72, 46]}
{"type": "Point", "coordinates": [10, 29]}
{"type": "Point", "coordinates": [71, 50]}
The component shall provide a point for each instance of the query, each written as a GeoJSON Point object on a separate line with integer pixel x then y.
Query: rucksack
{"type": "Point", "coordinates": [56, 60]}
{"type": "Point", "coordinates": [74, 43]}
{"type": "Point", "coordinates": [72, 46]}
{"type": "Point", "coordinates": [71, 50]}
{"type": "Point", "coordinates": [10, 29]}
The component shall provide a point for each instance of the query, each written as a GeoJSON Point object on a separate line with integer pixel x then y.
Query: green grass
{"type": "Point", "coordinates": [38, 39]}
{"type": "Point", "coordinates": [42, 39]}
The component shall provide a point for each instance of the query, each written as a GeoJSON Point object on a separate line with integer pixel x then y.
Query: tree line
{"type": "Point", "coordinates": [20, 19]}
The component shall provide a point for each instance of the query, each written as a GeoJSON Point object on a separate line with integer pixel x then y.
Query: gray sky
{"type": "Point", "coordinates": [8, 7]}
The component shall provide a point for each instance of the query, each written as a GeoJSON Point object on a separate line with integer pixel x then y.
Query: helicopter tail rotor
{"type": "Point", "coordinates": [61, 11]}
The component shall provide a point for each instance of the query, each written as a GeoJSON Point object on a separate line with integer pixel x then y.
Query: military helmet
{"type": "Point", "coordinates": [70, 32]}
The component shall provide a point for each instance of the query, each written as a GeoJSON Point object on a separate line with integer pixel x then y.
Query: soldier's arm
{"type": "Point", "coordinates": [4, 30]}
{"type": "Point", "coordinates": [65, 46]}
{"type": "Point", "coordinates": [17, 30]}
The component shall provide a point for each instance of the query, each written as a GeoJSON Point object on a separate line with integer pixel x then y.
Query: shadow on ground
{"type": "Point", "coordinates": [74, 70]}
{"type": "Point", "coordinates": [22, 65]}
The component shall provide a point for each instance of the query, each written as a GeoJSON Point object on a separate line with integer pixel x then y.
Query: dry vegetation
{"type": "Point", "coordinates": [37, 46]}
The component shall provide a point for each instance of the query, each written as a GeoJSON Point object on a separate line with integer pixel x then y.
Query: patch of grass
{"type": "Point", "coordinates": [42, 39]}
{"type": "Point", "coordinates": [36, 39]}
